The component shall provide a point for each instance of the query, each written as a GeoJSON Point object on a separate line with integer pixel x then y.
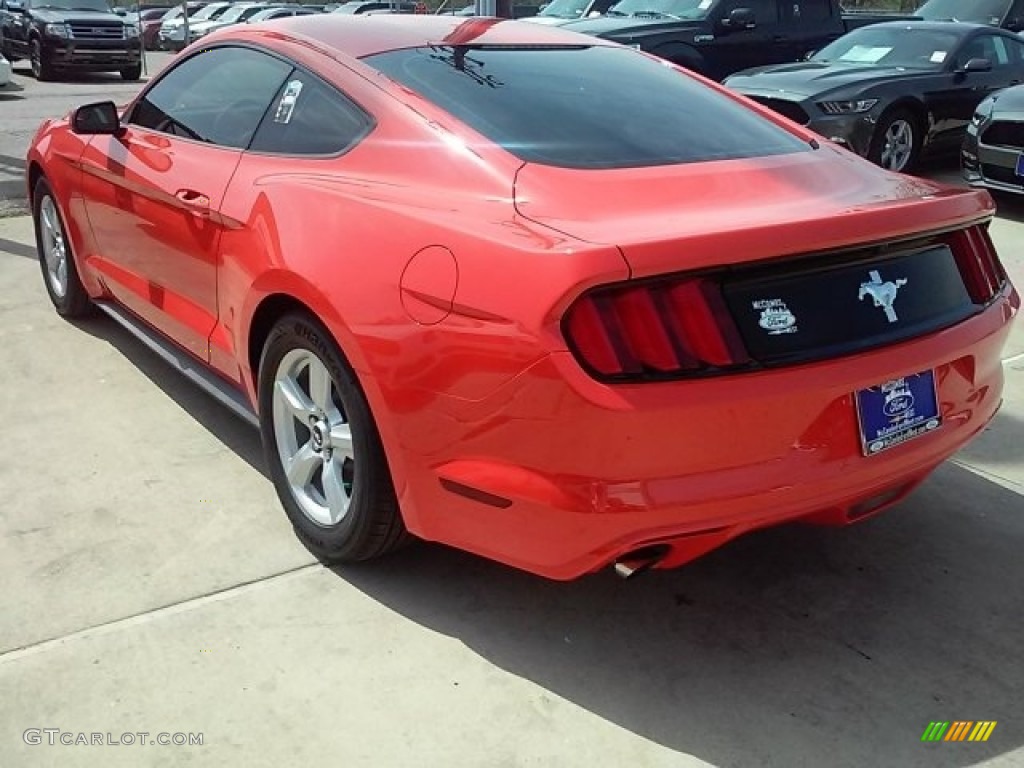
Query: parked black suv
{"type": "Point", "coordinates": [83, 35]}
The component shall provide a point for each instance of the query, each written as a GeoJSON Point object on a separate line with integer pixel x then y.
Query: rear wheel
{"type": "Point", "coordinates": [322, 447]}
{"type": "Point", "coordinates": [60, 275]}
{"type": "Point", "coordinates": [897, 141]}
{"type": "Point", "coordinates": [132, 73]}
{"type": "Point", "coordinates": [42, 69]}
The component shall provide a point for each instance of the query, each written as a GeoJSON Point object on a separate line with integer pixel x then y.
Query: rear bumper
{"type": "Point", "coordinates": [93, 56]}
{"type": "Point", "coordinates": [559, 475]}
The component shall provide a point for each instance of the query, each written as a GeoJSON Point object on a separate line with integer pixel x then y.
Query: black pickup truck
{"type": "Point", "coordinates": [719, 37]}
{"type": "Point", "coordinates": [82, 35]}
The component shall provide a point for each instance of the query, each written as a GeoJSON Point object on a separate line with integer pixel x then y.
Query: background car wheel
{"type": "Point", "coordinates": [132, 73]}
{"type": "Point", "coordinates": [322, 447]}
{"type": "Point", "coordinates": [5, 49]}
{"type": "Point", "coordinates": [897, 141]}
{"type": "Point", "coordinates": [60, 275]}
{"type": "Point", "coordinates": [42, 70]}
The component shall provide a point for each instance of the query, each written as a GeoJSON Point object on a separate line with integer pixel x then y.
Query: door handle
{"type": "Point", "coordinates": [197, 201]}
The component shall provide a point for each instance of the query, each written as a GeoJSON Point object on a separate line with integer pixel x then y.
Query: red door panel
{"type": "Point", "coordinates": [153, 203]}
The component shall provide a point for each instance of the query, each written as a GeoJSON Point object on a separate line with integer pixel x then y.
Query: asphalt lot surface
{"type": "Point", "coordinates": [152, 584]}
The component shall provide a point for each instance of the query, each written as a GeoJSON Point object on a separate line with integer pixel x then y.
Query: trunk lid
{"type": "Point", "coordinates": [685, 217]}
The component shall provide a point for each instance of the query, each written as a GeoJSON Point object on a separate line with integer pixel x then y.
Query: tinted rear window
{"type": "Point", "coordinates": [585, 107]}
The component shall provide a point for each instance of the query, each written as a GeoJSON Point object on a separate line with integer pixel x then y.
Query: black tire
{"type": "Point", "coordinates": [886, 123]}
{"type": "Point", "coordinates": [373, 525]}
{"type": "Point", "coordinates": [5, 49]}
{"type": "Point", "coordinates": [75, 302]}
{"type": "Point", "coordinates": [132, 73]}
{"type": "Point", "coordinates": [42, 69]}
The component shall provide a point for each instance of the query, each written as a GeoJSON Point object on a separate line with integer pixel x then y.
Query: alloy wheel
{"type": "Point", "coordinates": [35, 59]}
{"type": "Point", "coordinates": [314, 437]}
{"type": "Point", "coordinates": [898, 145]}
{"type": "Point", "coordinates": [55, 250]}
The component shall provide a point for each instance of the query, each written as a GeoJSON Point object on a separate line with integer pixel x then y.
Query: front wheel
{"type": "Point", "coordinates": [5, 48]}
{"type": "Point", "coordinates": [897, 142]}
{"type": "Point", "coordinates": [322, 447]}
{"type": "Point", "coordinates": [132, 73]}
{"type": "Point", "coordinates": [42, 69]}
{"type": "Point", "coordinates": [60, 275]}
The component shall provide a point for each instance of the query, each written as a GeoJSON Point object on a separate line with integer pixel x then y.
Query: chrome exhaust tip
{"type": "Point", "coordinates": [640, 560]}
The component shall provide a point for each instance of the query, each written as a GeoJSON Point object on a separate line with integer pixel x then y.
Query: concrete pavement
{"type": "Point", "coordinates": [151, 583]}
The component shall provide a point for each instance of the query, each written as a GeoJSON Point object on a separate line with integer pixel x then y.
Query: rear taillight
{"type": "Point", "coordinates": [653, 330]}
{"type": "Point", "coordinates": [979, 265]}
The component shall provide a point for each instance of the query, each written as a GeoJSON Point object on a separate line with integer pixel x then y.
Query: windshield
{"type": "Point", "coordinates": [235, 12]}
{"type": "Point", "coordinates": [675, 9]}
{"type": "Point", "coordinates": [209, 12]}
{"type": "Point", "coordinates": [900, 46]}
{"type": "Point", "coordinates": [582, 107]}
{"type": "Point", "coordinates": [979, 11]}
{"type": "Point", "coordinates": [76, 5]}
{"type": "Point", "coordinates": [565, 9]}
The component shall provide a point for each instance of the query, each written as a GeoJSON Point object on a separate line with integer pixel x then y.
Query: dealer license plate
{"type": "Point", "coordinates": [897, 411]}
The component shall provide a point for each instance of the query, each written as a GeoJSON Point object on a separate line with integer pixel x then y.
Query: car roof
{"type": "Point", "coordinates": [359, 35]}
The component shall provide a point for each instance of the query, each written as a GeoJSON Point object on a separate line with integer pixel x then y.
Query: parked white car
{"type": "Point", "coordinates": [5, 71]}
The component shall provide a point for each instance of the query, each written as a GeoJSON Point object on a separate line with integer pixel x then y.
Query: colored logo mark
{"type": "Point", "coordinates": [959, 730]}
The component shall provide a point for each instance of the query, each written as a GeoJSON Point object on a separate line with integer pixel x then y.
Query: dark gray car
{"type": "Point", "coordinates": [892, 91]}
{"type": "Point", "coordinates": [993, 149]}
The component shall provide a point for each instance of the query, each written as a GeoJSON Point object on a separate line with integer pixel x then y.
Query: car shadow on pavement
{"type": "Point", "coordinates": [794, 646]}
{"type": "Point", "coordinates": [235, 434]}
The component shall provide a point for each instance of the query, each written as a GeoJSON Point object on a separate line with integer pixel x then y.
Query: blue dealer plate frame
{"type": "Point", "coordinates": [897, 411]}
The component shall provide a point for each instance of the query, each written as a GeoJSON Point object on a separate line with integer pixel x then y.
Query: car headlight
{"type": "Point", "coordinates": [983, 112]}
{"type": "Point", "coordinates": [58, 30]}
{"type": "Point", "coordinates": [853, 107]}
{"type": "Point", "coordinates": [131, 32]}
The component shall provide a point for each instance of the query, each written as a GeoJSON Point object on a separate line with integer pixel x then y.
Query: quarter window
{"type": "Point", "coordinates": [308, 117]}
{"type": "Point", "coordinates": [217, 96]}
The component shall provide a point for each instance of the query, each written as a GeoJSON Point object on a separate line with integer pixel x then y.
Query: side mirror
{"type": "Point", "coordinates": [977, 65]}
{"type": "Point", "coordinates": [98, 118]}
{"type": "Point", "coordinates": [1015, 24]}
{"type": "Point", "coordinates": [739, 19]}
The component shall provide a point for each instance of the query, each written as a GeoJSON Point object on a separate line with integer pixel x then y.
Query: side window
{"type": "Point", "coordinates": [1015, 52]}
{"type": "Point", "coordinates": [806, 11]}
{"type": "Point", "coordinates": [308, 117]}
{"type": "Point", "coordinates": [766, 12]}
{"type": "Point", "coordinates": [982, 47]}
{"type": "Point", "coordinates": [217, 96]}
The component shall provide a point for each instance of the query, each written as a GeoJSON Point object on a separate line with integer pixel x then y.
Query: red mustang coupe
{"type": "Point", "coordinates": [532, 294]}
